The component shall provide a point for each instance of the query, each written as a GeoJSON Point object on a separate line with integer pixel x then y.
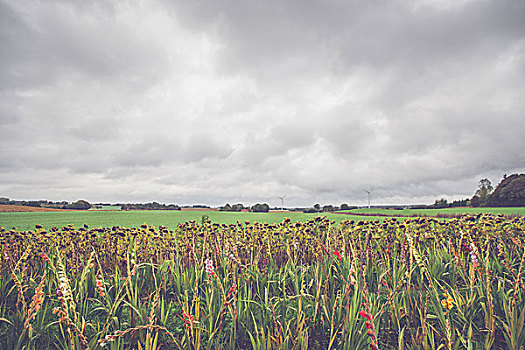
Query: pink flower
{"type": "Point", "coordinates": [209, 266]}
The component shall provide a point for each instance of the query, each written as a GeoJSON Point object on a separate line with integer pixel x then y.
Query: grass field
{"type": "Point", "coordinates": [436, 212]}
{"type": "Point", "coordinates": [170, 219]}
{"type": "Point", "coordinates": [107, 207]}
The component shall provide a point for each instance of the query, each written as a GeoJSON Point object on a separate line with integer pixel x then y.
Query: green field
{"type": "Point", "coordinates": [107, 207]}
{"type": "Point", "coordinates": [170, 219]}
{"type": "Point", "coordinates": [436, 212]}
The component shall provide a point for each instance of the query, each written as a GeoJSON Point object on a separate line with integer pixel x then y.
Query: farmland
{"type": "Point", "coordinates": [415, 284]}
{"type": "Point", "coordinates": [439, 212]}
{"type": "Point", "coordinates": [170, 219]}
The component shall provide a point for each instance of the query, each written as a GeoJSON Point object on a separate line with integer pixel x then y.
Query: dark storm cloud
{"type": "Point", "coordinates": [238, 101]}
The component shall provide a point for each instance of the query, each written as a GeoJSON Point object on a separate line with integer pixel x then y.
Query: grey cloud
{"type": "Point", "coordinates": [95, 130]}
{"type": "Point", "coordinates": [201, 146]}
{"type": "Point", "coordinates": [239, 101]}
{"type": "Point", "coordinates": [275, 141]}
{"type": "Point", "coordinates": [46, 44]}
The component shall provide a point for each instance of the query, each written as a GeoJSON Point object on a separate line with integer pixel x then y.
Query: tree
{"type": "Point", "coordinates": [329, 207]}
{"type": "Point", "coordinates": [227, 207]}
{"type": "Point", "coordinates": [482, 194]}
{"type": "Point", "coordinates": [510, 192]}
{"type": "Point", "coordinates": [237, 207]}
{"type": "Point", "coordinates": [149, 206]}
{"type": "Point", "coordinates": [317, 206]}
{"type": "Point", "coordinates": [260, 208]}
{"type": "Point", "coordinates": [441, 203]}
{"type": "Point", "coordinates": [78, 205]}
{"type": "Point", "coordinates": [460, 203]}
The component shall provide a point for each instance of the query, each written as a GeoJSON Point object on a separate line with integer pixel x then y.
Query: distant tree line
{"type": "Point", "coordinates": [78, 205]}
{"type": "Point", "coordinates": [197, 206]}
{"type": "Point", "coordinates": [256, 208]}
{"type": "Point", "coordinates": [236, 207]}
{"type": "Point", "coordinates": [149, 206]}
{"type": "Point", "coordinates": [443, 203]}
{"type": "Point", "coordinates": [328, 208]}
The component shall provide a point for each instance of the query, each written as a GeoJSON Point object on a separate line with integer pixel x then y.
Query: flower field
{"type": "Point", "coordinates": [413, 284]}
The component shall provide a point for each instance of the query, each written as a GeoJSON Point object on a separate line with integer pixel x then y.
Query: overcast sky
{"type": "Point", "coordinates": [233, 101]}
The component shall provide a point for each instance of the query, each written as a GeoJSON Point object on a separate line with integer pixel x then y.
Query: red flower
{"type": "Point", "coordinates": [188, 319]}
{"type": "Point", "coordinates": [370, 330]}
{"type": "Point", "coordinates": [230, 292]}
{"type": "Point", "coordinates": [232, 289]}
{"type": "Point", "coordinates": [44, 257]}
{"type": "Point", "coordinates": [365, 315]}
{"type": "Point", "coordinates": [338, 255]}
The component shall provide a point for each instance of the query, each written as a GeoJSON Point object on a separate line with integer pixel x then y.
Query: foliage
{"type": "Point", "coordinates": [329, 207]}
{"type": "Point", "coordinates": [345, 206]}
{"type": "Point", "coordinates": [438, 213]}
{"type": "Point", "coordinates": [415, 284]}
{"type": "Point", "coordinates": [236, 207]}
{"type": "Point", "coordinates": [260, 208]}
{"type": "Point", "coordinates": [78, 205]}
{"type": "Point", "coordinates": [149, 206]}
{"type": "Point", "coordinates": [226, 207]}
{"type": "Point", "coordinates": [510, 192]}
{"type": "Point", "coordinates": [37, 203]}
{"type": "Point", "coordinates": [441, 203]}
{"type": "Point", "coordinates": [482, 194]}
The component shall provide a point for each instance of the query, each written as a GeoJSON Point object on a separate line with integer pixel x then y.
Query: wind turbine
{"type": "Point", "coordinates": [369, 194]}
{"type": "Point", "coordinates": [282, 201]}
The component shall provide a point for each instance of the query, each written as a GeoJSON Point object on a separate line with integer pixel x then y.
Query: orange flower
{"type": "Point", "coordinates": [100, 288]}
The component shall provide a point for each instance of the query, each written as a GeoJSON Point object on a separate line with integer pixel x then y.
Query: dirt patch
{"type": "Point", "coordinates": [24, 208]}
